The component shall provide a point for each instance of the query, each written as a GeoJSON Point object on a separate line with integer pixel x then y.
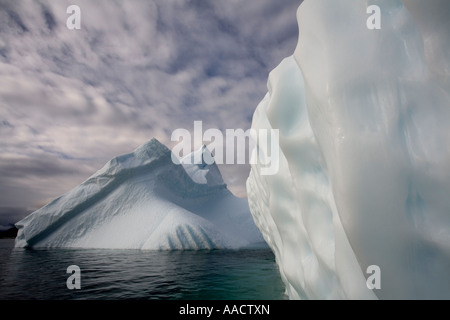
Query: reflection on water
{"type": "Point", "coordinates": [134, 274]}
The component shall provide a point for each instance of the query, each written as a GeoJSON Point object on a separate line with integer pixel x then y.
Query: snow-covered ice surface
{"type": "Point", "coordinates": [364, 173]}
{"type": "Point", "coordinates": [143, 200]}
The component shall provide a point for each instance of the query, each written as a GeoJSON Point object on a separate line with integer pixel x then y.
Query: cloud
{"type": "Point", "coordinates": [70, 100]}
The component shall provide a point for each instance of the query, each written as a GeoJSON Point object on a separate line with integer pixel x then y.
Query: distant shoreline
{"type": "Point", "coordinates": [10, 233]}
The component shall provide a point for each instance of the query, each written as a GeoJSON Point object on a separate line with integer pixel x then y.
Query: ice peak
{"type": "Point", "coordinates": [151, 148]}
{"type": "Point", "coordinates": [201, 167]}
{"type": "Point", "coordinates": [201, 157]}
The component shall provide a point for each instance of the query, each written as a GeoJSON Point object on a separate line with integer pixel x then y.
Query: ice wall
{"type": "Point", "coordinates": [365, 152]}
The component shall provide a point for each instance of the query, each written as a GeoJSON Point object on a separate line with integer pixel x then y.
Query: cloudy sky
{"type": "Point", "coordinates": [70, 100]}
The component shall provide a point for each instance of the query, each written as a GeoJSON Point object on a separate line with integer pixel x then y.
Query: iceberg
{"type": "Point", "coordinates": [143, 200]}
{"type": "Point", "coordinates": [364, 174]}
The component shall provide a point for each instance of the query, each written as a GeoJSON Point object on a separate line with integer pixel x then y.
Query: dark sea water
{"type": "Point", "coordinates": [250, 274]}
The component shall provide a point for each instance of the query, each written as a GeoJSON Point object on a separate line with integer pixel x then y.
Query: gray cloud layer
{"type": "Point", "coordinates": [72, 99]}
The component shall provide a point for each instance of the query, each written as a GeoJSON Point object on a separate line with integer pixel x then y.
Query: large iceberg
{"type": "Point", "coordinates": [362, 196]}
{"type": "Point", "coordinates": [143, 200]}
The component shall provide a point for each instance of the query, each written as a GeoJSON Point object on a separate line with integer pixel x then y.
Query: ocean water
{"type": "Point", "coordinates": [250, 274]}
